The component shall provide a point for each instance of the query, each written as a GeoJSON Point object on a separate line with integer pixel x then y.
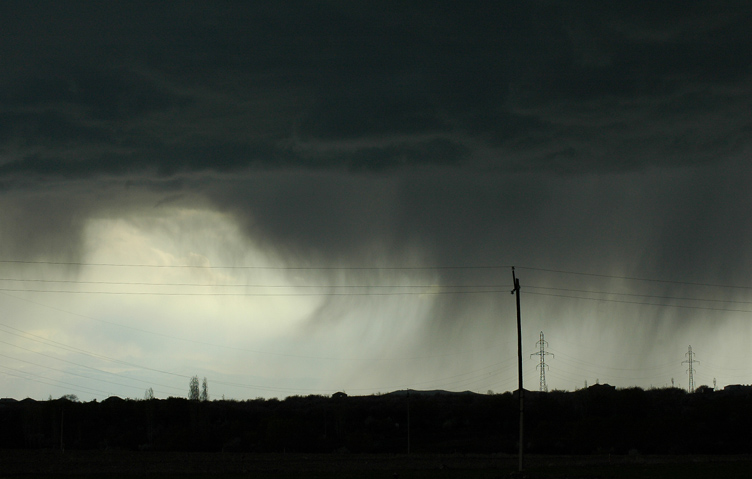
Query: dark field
{"type": "Point", "coordinates": [124, 464]}
{"type": "Point", "coordinates": [600, 432]}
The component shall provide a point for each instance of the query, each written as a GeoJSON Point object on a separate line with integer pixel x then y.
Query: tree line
{"type": "Point", "coordinates": [597, 420]}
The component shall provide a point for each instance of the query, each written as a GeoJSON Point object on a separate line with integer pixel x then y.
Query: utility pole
{"type": "Point", "coordinates": [691, 370]}
{"type": "Point", "coordinates": [542, 353]}
{"type": "Point", "coordinates": [408, 422]}
{"type": "Point", "coordinates": [521, 391]}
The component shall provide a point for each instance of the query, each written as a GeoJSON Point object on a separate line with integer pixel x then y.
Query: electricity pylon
{"type": "Point", "coordinates": [542, 353]}
{"type": "Point", "coordinates": [691, 370]}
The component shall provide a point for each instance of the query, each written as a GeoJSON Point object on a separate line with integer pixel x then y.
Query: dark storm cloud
{"type": "Point", "coordinates": [166, 85]}
{"type": "Point", "coordinates": [451, 111]}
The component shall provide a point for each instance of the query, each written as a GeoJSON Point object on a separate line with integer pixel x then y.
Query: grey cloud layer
{"type": "Point", "coordinates": [90, 90]}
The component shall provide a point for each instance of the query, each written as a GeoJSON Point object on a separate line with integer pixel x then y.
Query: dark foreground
{"type": "Point", "coordinates": [124, 464]}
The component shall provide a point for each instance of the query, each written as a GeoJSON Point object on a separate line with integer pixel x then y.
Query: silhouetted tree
{"type": "Point", "coordinates": [193, 393]}
{"type": "Point", "coordinates": [204, 390]}
{"type": "Point", "coordinates": [149, 394]}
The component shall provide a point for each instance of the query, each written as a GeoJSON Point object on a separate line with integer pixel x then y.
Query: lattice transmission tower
{"type": "Point", "coordinates": [542, 353]}
{"type": "Point", "coordinates": [690, 361]}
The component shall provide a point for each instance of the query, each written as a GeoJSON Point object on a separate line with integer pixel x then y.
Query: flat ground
{"type": "Point", "coordinates": [126, 464]}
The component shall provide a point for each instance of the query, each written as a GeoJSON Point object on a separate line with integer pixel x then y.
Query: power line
{"type": "Point", "coordinates": [85, 366]}
{"type": "Point", "coordinates": [397, 293]}
{"type": "Point", "coordinates": [564, 356]}
{"type": "Point", "coordinates": [643, 303]}
{"type": "Point", "coordinates": [634, 278]}
{"type": "Point", "coordinates": [637, 295]}
{"type": "Point", "coordinates": [250, 285]}
{"type": "Point", "coordinates": [233, 348]}
{"type": "Point", "coordinates": [272, 268]}
{"type": "Point", "coordinates": [577, 368]}
{"type": "Point", "coordinates": [56, 344]}
{"type": "Point", "coordinates": [428, 292]}
{"type": "Point", "coordinates": [219, 382]}
{"type": "Point", "coordinates": [465, 377]}
{"type": "Point", "coordinates": [71, 373]}
{"type": "Point", "coordinates": [373, 268]}
{"type": "Point", "coordinates": [71, 386]}
{"type": "Point", "coordinates": [429, 289]}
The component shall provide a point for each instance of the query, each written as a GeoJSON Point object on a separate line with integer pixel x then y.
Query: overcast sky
{"type": "Point", "coordinates": [309, 197]}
